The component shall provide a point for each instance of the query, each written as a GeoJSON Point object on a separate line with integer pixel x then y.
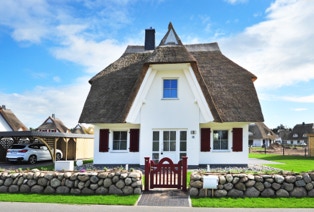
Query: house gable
{"type": "Point", "coordinates": [168, 71]}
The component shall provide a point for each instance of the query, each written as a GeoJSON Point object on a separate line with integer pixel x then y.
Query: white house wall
{"type": "Point", "coordinates": [4, 125]}
{"type": "Point", "coordinates": [114, 157]}
{"type": "Point", "coordinates": [170, 114]}
{"type": "Point", "coordinates": [227, 157]}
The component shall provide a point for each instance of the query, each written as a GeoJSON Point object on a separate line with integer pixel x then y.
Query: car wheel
{"type": "Point", "coordinates": [32, 159]}
{"type": "Point", "coordinates": [58, 156]}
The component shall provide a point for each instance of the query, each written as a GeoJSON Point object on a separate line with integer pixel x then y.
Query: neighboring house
{"type": "Point", "coordinates": [299, 134]}
{"type": "Point", "coordinates": [80, 129]}
{"type": "Point", "coordinates": [8, 122]}
{"type": "Point", "coordinates": [53, 124]}
{"type": "Point", "coordinates": [260, 135]}
{"type": "Point", "coordinates": [284, 135]}
{"type": "Point", "coordinates": [171, 101]}
{"type": "Point", "coordinates": [72, 148]}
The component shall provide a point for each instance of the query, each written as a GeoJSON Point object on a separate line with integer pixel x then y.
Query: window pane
{"type": "Point", "coordinates": [166, 135]}
{"type": "Point", "coordinates": [183, 135]}
{"type": "Point", "coordinates": [182, 146]}
{"type": "Point", "coordinates": [166, 146]}
{"type": "Point", "coordinates": [155, 136]}
{"type": "Point", "coordinates": [123, 136]}
{"type": "Point", "coordinates": [170, 89]}
{"type": "Point", "coordinates": [115, 145]}
{"type": "Point", "coordinates": [156, 146]}
{"type": "Point", "coordinates": [172, 135]}
{"type": "Point", "coordinates": [173, 146]}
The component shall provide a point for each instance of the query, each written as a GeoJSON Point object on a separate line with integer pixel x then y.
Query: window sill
{"type": "Point", "coordinates": [227, 150]}
{"type": "Point", "coordinates": [119, 151]}
{"type": "Point", "coordinates": [170, 99]}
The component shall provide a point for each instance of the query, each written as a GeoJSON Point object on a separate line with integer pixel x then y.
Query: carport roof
{"type": "Point", "coordinates": [23, 134]}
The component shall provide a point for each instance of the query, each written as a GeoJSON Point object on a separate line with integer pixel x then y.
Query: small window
{"type": "Point", "coordinates": [170, 88]}
{"type": "Point", "coordinates": [119, 140]}
{"type": "Point", "coordinates": [220, 139]}
{"type": "Point", "coordinates": [295, 135]}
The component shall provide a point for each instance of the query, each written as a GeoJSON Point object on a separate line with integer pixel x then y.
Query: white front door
{"type": "Point", "coordinates": [169, 143]}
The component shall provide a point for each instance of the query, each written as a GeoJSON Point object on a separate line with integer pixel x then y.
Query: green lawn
{"type": "Point", "coordinates": [253, 202]}
{"type": "Point", "coordinates": [289, 163]}
{"type": "Point", "coordinates": [71, 199]}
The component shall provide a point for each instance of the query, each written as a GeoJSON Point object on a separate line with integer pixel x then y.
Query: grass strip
{"type": "Point", "coordinates": [253, 202]}
{"type": "Point", "coordinates": [71, 199]}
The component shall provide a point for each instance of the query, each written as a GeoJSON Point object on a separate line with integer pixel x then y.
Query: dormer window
{"type": "Point", "coordinates": [295, 135]}
{"type": "Point", "coordinates": [170, 89]}
{"type": "Point", "coordinates": [304, 135]}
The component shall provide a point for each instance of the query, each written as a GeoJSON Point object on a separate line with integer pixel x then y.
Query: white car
{"type": "Point", "coordinates": [30, 153]}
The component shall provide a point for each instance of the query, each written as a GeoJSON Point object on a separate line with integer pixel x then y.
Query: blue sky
{"type": "Point", "coordinates": [49, 49]}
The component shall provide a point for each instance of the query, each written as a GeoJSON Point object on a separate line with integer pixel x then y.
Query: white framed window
{"type": "Point", "coordinates": [170, 88]}
{"type": "Point", "coordinates": [119, 140]}
{"type": "Point", "coordinates": [220, 141]}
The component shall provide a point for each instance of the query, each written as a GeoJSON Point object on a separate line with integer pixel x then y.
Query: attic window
{"type": "Point", "coordinates": [170, 89]}
{"type": "Point", "coordinates": [171, 39]}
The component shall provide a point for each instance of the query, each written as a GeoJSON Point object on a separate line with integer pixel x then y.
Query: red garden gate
{"type": "Point", "coordinates": [165, 174]}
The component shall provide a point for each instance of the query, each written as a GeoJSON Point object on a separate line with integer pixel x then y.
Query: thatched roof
{"type": "Point", "coordinates": [53, 123]}
{"type": "Point", "coordinates": [300, 131]}
{"type": "Point", "coordinates": [227, 87]}
{"type": "Point", "coordinates": [259, 130]}
{"type": "Point", "coordinates": [14, 123]}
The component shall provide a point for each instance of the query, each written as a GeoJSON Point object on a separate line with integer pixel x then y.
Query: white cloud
{"type": "Point", "coordinates": [34, 106]}
{"type": "Point", "coordinates": [279, 50]}
{"type": "Point", "coordinates": [299, 109]}
{"type": "Point", "coordinates": [299, 99]}
{"type": "Point", "coordinates": [91, 54]}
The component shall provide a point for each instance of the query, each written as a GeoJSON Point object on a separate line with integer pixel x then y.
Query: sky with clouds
{"type": "Point", "coordinates": [49, 49]}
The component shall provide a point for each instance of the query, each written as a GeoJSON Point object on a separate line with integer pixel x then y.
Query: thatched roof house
{"type": "Point", "coordinates": [191, 94]}
{"type": "Point", "coordinates": [7, 116]}
{"type": "Point", "coordinates": [299, 133]}
{"type": "Point", "coordinates": [228, 88]}
{"type": "Point", "coordinates": [53, 124]}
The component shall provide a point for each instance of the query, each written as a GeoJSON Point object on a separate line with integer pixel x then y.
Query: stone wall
{"type": "Point", "coordinates": [85, 183]}
{"type": "Point", "coordinates": [248, 185]}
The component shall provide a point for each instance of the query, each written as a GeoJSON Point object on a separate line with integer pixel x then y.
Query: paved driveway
{"type": "Point", "coordinates": [255, 161]}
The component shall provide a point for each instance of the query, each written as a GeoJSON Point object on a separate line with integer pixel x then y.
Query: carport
{"type": "Point", "coordinates": [50, 139]}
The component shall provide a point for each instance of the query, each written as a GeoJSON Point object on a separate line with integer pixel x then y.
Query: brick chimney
{"type": "Point", "coordinates": [149, 39]}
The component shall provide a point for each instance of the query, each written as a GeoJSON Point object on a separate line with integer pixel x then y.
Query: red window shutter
{"type": "Point", "coordinates": [237, 139]}
{"type": "Point", "coordinates": [205, 139]}
{"type": "Point", "coordinates": [134, 140]}
{"type": "Point", "coordinates": [103, 140]}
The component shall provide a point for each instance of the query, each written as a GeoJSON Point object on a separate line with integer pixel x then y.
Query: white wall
{"type": "Point", "coordinates": [4, 125]}
{"type": "Point", "coordinates": [170, 114]}
{"type": "Point", "coordinates": [114, 157]}
{"type": "Point", "coordinates": [226, 156]}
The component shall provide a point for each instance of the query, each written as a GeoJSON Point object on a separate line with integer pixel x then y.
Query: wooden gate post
{"type": "Point", "coordinates": [184, 171]}
{"type": "Point", "coordinates": [147, 173]}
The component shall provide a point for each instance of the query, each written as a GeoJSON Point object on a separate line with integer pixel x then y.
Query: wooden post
{"type": "Point", "coordinates": [147, 173]}
{"type": "Point", "coordinates": [184, 171]}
